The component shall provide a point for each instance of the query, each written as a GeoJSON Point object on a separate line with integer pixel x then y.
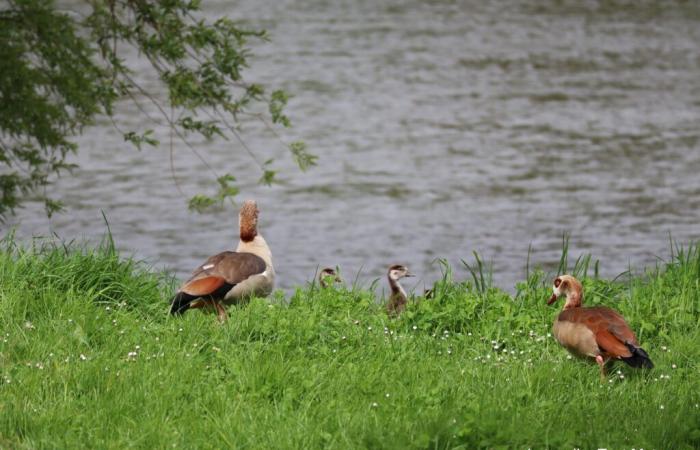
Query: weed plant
{"type": "Point", "coordinates": [89, 358]}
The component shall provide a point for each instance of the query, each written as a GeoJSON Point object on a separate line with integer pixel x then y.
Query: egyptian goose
{"type": "Point", "coordinates": [328, 277]}
{"type": "Point", "coordinates": [597, 332]}
{"type": "Point", "coordinates": [231, 277]}
{"type": "Point", "coordinates": [398, 299]}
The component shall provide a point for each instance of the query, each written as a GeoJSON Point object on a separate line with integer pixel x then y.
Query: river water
{"type": "Point", "coordinates": [441, 127]}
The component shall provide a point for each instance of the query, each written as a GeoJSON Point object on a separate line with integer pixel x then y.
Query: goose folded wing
{"type": "Point", "coordinates": [611, 331]}
{"type": "Point", "coordinates": [226, 268]}
{"type": "Point", "coordinates": [611, 344]}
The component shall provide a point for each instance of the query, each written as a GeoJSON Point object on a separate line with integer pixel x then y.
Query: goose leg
{"type": "Point", "coordinates": [221, 312]}
{"type": "Point", "coordinates": [601, 362]}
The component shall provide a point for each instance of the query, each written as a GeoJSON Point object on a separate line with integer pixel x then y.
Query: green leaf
{"type": "Point", "coordinates": [201, 203]}
{"type": "Point", "coordinates": [303, 159]}
{"type": "Point", "coordinates": [140, 139]}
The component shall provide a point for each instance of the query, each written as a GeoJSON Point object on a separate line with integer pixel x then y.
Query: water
{"type": "Point", "coordinates": [442, 128]}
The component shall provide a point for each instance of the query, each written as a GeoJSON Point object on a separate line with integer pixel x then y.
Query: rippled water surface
{"type": "Point", "coordinates": [441, 128]}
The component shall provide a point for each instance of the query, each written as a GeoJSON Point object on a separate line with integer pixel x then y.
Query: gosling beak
{"type": "Point", "coordinates": [552, 299]}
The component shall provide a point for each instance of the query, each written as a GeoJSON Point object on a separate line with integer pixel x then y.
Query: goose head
{"type": "Point", "coordinates": [248, 220]}
{"type": "Point", "coordinates": [569, 287]}
{"type": "Point", "coordinates": [398, 271]}
{"type": "Point", "coordinates": [328, 276]}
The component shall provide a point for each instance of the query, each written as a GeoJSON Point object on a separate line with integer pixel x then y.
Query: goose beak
{"type": "Point", "coordinates": [552, 299]}
{"type": "Point", "coordinates": [409, 274]}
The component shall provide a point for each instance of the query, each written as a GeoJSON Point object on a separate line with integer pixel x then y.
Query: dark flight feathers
{"type": "Point", "coordinates": [639, 357]}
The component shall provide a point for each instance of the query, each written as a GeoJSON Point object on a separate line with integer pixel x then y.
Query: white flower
{"type": "Point", "coordinates": [661, 407]}
{"type": "Point", "coordinates": [415, 327]}
{"type": "Point", "coordinates": [386, 395]}
{"type": "Point", "coordinates": [673, 366]}
{"type": "Point", "coordinates": [369, 328]}
{"type": "Point", "coordinates": [28, 325]}
{"type": "Point", "coordinates": [83, 357]}
{"type": "Point", "coordinates": [375, 404]}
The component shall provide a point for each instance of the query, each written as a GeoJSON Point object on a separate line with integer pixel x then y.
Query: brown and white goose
{"type": "Point", "coordinates": [328, 277]}
{"type": "Point", "coordinates": [597, 332]}
{"type": "Point", "coordinates": [398, 299]}
{"type": "Point", "coordinates": [231, 277]}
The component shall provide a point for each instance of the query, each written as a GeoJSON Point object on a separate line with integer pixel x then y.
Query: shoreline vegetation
{"type": "Point", "coordinates": [90, 358]}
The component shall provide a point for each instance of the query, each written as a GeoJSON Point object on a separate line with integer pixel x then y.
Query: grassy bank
{"type": "Point", "coordinates": [90, 359]}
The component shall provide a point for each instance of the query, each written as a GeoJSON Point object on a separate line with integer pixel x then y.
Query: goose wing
{"type": "Point", "coordinates": [226, 268]}
{"type": "Point", "coordinates": [612, 334]}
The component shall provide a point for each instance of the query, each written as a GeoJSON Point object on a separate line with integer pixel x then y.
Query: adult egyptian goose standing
{"type": "Point", "coordinates": [598, 332]}
{"type": "Point", "coordinates": [231, 277]}
{"type": "Point", "coordinates": [398, 299]}
{"type": "Point", "coordinates": [328, 277]}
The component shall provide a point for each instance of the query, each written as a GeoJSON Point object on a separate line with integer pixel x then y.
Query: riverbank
{"type": "Point", "coordinates": [89, 358]}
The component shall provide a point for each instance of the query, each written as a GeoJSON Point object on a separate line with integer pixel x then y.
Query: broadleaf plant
{"type": "Point", "coordinates": [60, 70]}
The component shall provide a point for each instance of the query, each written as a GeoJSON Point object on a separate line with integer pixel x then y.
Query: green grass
{"type": "Point", "coordinates": [89, 358]}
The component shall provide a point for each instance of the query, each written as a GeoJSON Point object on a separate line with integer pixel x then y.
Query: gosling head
{"type": "Point", "coordinates": [568, 286]}
{"type": "Point", "coordinates": [328, 277]}
{"type": "Point", "coordinates": [248, 220]}
{"type": "Point", "coordinates": [398, 271]}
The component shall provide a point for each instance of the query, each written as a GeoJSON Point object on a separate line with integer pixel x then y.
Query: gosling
{"type": "Point", "coordinates": [328, 277]}
{"type": "Point", "coordinates": [398, 299]}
